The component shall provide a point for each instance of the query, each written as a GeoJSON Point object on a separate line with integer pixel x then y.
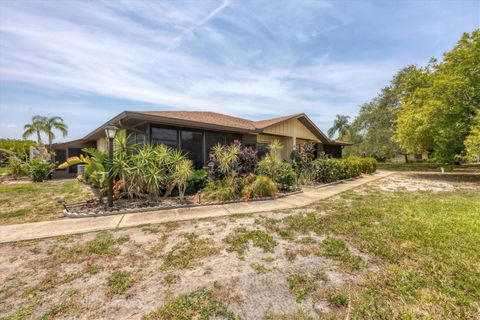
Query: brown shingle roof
{"type": "Point", "coordinates": [205, 117]}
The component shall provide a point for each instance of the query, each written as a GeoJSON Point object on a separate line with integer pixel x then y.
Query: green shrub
{"type": "Point", "coordinates": [354, 167]}
{"type": "Point", "coordinates": [228, 188]}
{"type": "Point", "coordinates": [327, 170]}
{"type": "Point", "coordinates": [197, 181]}
{"type": "Point", "coordinates": [262, 186]}
{"type": "Point", "coordinates": [39, 169]}
{"type": "Point", "coordinates": [16, 167]}
{"type": "Point", "coordinates": [286, 176]}
{"type": "Point", "coordinates": [20, 148]}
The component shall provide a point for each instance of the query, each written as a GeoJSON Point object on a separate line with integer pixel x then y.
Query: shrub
{"type": "Point", "coordinates": [327, 170]}
{"type": "Point", "coordinates": [354, 167]}
{"type": "Point", "coordinates": [16, 167]}
{"type": "Point", "coordinates": [247, 160]}
{"type": "Point", "coordinates": [197, 181]}
{"type": "Point", "coordinates": [20, 148]}
{"type": "Point", "coordinates": [262, 186]}
{"type": "Point", "coordinates": [225, 189]}
{"type": "Point", "coordinates": [39, 169]}
{"type": "Point", "coordinates": [304, 164]}
{"type": "Point", "coordinates": [286, 176]}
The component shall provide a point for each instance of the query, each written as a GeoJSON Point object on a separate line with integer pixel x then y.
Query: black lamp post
{"type": "Point", "coordinates": [110, 132]}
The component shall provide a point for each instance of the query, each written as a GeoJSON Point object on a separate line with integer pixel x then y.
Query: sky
{"type": "Point", "coordinates": [87, 61]}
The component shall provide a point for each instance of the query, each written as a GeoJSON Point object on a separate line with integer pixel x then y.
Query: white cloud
{"type": "Point", "coordinates": [255, 59]}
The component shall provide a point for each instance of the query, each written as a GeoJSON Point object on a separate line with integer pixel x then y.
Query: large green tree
{"type": "Point", "coordinates": [439, 102]}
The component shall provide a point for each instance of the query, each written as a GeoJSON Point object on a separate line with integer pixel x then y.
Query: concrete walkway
{"type": "Point", "coordinates": [67, 226]}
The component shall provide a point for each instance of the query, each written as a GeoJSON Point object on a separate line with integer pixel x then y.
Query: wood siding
{"type": "Point", "coordinates": [291, 128]}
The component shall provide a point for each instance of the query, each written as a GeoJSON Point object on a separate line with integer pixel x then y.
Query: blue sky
{"type": "Point", "coordinates": [86, 61]}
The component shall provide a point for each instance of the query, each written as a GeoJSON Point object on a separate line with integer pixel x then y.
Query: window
{"type": "Point", "coordinates": [136, 138]}
{"type": "Point", "coordinates": [212, 139]}
{"type": "Point", "coordinates": [192, 144]}
{"type": "Point", "coordinates": [166, 136]}
{"type": "Point", "coordinates": [232, 137]}
{"type": "Point", "coordinates": [60, 156]}
{"type": "Point", "coordinates": [74, 152]}
{"type": "Point", "coordinates": [262, 149]}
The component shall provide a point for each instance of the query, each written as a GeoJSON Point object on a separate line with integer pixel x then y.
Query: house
{"type": "Point", "coordinates": [196, 132]}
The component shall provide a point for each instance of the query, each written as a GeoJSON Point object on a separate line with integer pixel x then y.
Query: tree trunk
{"type": "Point", "coordinates": [39, 139]}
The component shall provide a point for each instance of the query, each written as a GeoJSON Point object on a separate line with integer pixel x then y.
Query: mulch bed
{"type": "Point", "coordinates": [98, 207]}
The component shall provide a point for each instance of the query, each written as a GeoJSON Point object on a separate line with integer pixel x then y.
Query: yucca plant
{"type": "Point", "coordinates": [183, 172]}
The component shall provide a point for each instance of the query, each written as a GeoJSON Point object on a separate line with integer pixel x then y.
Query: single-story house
{"type": "Point", "coordinates": [196, 132]}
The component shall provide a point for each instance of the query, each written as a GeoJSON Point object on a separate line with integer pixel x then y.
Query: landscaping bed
{"type": "Point", "coordinates": [98, 207]}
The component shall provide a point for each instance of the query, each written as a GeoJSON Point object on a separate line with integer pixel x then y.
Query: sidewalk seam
{"type": "Point", "coordinates": [119, 222]}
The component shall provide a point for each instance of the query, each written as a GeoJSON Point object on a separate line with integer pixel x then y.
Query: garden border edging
{"type": "Point", "coordinates": [72, 214]}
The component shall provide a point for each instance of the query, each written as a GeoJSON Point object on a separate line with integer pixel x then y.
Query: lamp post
{"type": "Point", "coordinates": [110, 132]}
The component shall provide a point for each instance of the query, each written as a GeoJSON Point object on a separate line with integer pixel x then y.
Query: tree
{"type": "Point", "coordinates": [340, 125]}
{"type": "Point", "coordinates": [54, 123]}
{"type": "Point", "coordinates": [472, 142]}
{"type": "Point", "coordinates": [36, 127]}
{"type": "Point", "coordinates": [373, 130]}
{"type": "Point", "coordinates": [437, 112]}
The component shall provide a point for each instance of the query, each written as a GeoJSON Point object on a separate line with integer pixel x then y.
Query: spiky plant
{"type": "Point", "coordinates": [183, 172]}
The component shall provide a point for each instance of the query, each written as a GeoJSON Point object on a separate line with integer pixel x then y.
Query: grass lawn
{"type": "Point", "coordinates": [427, 248]}
{"type": "Point", "coordinates": [3, 170]}
{"type": "Point", "coordinates": [23, 201]}
{"type": "Point", "coordinates": [369, 253]}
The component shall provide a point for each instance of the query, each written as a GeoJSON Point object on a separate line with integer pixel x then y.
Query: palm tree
{"type": "Point", "coordinates": [341, 125]}
{"type": "Point", "coordinates": [54, 123]}
{"type": "Point", "coordinates": [36, 127]}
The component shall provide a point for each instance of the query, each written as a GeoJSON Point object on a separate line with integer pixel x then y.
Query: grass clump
{"type": "Point", "coordinates": [170, 279]}
{"type": "Point", "coordinates": [304, 223]}
{"type": "Point", "coordinates": [200, 304]}
{"type": "Point", "coordinates": [69, 305]}
{"type": "Point", "coordinates": [119, 282]}
{"type": "Point", "coordinates": [337, 249]}
{"type": "Point", "coordinates": [338, 300]}
{"type": "Point", "coordinates": [300, 285]}
{"type": "Point", "coordinates": [104, 244]}
{"type": "Point", "coordinates": [239, 240]}
{"type": "Point", "coordinates": [259, 268]}
{"type": "Point", "coordinates": [186, 254]}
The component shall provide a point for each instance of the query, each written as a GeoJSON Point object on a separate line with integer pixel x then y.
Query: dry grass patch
{"type": "Point", "coordinates": [22, 202]}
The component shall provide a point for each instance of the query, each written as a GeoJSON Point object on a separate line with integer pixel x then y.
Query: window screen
{"type": "Point", "coordinates": [232, 137]}
{"type": "Point", "coordinates": [262, 149]}
{"type": "Point", "coordinates": [192, 145]}
{"type": "Point", "coordinates": [212, 139]}
{"type": "Point", "coordinates": [74, 152]}
{"type": "Point", "coordinates": [166, 136]}
{"type": "Point", "coordinates": [60, 156]}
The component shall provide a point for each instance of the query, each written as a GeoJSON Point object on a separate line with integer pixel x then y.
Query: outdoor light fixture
{"type": "Point", "coordinates": [110, 132]}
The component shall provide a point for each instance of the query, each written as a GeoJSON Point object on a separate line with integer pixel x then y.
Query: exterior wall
{"type": "Point", "coordinates": [281, 155]}
{"type": "Point", "coordinates": [69, 150]}
{"type": "Point", "coordinates": [102, 144]}
{"type": "Point", "coordinates": [291, 128]}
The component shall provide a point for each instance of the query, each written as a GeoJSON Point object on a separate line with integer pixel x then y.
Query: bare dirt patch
{"type": "Point", "coordinates": [125, 275]}
{"type": "Point", "coordinates": [434, 182]}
